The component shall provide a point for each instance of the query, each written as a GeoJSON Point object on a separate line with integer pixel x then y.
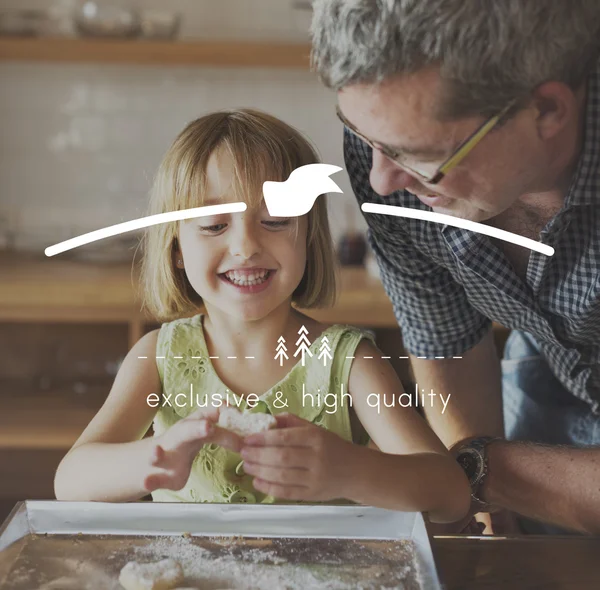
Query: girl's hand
{"type": "Point", "coordinates": [298, 461]}
{"type": "Point", "coordinates": [174, 452]}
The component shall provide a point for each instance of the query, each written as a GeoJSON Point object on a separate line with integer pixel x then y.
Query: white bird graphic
{"type": "Point", "coordinates": [296, 195]}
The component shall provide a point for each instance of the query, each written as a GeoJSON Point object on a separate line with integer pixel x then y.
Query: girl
{"type": "Point", "coordinates": [251, 272]}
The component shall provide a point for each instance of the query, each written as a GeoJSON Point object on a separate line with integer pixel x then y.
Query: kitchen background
{"type": "Point", "coordinates": [84, 123]}
{"type": "Point", "coordinates": [84, 127]}
{"type": "Point", "coordinates": [80, 142]}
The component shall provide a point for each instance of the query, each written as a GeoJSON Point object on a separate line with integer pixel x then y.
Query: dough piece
{"type": "Point", "coordinates": [245, 423]}
{"type": "Point", "coordinates": [159, 575]}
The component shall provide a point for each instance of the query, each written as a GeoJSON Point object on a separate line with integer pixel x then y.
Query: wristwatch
{"type": "Point", "coordinates": [472, 457]}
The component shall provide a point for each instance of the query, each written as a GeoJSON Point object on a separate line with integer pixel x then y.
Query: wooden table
{"type": "Point", "coordinates": [518, 562]}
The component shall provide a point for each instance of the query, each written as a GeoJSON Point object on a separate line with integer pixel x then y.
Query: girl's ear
{"type": "Point", "coordinates": [176, 255]}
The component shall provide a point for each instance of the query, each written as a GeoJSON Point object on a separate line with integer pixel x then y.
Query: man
{"type": "Point", "coordinates": [415, 80]}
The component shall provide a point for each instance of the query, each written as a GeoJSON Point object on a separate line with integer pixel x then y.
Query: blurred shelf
{"type": "Point", "coordinates": [205, 53]}
{"type": "Point", "coordinates": [58, 290]}
{"type": "Point", "coordinates": [52, 421]}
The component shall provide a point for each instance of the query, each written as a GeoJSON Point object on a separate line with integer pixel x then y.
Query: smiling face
{"type": "Point", "coordinates": [400, 113]}
{"type": "Point", "coordinates": [246, 264]}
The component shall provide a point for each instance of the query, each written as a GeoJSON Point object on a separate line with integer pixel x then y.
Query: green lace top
{"type": "Point", "coordinates": [183, 361]}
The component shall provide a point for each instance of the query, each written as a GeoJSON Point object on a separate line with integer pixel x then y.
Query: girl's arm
{"type": "Point", "coordinates": [110, 463]}
{"type": "Point", "coordinates": [414, 471]}
{"type": "Point", "coordinates": [104, 464]}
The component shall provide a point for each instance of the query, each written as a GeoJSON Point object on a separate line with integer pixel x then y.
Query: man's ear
{"type": "Point", "coordinates": [556, 106]}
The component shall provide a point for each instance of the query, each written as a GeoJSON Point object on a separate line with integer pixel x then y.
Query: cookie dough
{"type": "Point", "coordinates": [245, 423]}
{"type": "Point", "coordinates": [159, 575]}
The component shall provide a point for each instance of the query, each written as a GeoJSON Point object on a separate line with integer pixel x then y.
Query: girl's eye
{"type": "Point", "coordinates": [212, 229]}
{"type": "Point", "coordinates": [276, 224]}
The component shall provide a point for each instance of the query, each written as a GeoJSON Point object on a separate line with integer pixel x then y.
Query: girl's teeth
{"type": "Point", "coordinates": [247, 279]}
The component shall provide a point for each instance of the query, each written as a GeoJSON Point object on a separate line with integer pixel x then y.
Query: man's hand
{"type": "Point", "coordinates": [173, 454]}
{"type": "Point", "coordinates": [298, 461]}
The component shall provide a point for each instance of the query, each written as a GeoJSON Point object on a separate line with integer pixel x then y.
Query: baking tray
{"type": "Point", "coordinates": [50, 545]}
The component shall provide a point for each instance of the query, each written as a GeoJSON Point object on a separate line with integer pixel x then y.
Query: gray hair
{"type": "Point", "coordinates": [488, 52]}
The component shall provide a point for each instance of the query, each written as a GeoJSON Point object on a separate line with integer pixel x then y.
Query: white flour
{"type": "Point", "coordinates": [254, 568]}
{"type": "Point", "coordinates": [228, 572]}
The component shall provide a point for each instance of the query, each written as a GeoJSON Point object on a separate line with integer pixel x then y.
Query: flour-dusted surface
{"type": "Point", "coordinates": [155, 575]}
{"type": "Point", "coordinates": [93, 562]}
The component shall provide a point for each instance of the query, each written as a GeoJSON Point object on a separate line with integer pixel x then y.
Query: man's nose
{"type": "Point", "coordinates": [386, 177]}
{"type": "Point", "coordinates": [244, 242]}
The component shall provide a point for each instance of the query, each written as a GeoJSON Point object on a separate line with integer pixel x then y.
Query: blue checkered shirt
{"type": "Point", "coordinates": [447, 284]}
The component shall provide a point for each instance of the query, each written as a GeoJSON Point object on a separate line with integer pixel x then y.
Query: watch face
{"type": "Point", "coordinates": [472, 465]}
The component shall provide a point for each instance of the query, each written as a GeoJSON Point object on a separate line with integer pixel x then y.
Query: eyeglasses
{"type": "Point", "coordinates": [449, 163]}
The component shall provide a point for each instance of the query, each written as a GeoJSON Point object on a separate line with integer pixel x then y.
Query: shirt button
{"type": "Point", "coordinates": [239, 470]}
{"type": "Point", "coordinates": [242, 497]}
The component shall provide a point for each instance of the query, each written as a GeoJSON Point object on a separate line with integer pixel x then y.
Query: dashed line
{"type": "Point", "coordinates": [348, 357]}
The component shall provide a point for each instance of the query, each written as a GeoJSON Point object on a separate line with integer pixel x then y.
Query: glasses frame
{"type": "Point", "coordinates": [450, 162]}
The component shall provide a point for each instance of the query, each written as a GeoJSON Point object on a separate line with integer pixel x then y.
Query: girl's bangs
{"type": "Point", "coordinates": [253, 165]}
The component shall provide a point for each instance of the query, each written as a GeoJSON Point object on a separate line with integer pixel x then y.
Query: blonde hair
{"type": "Point", "coordinates": [261, 147]}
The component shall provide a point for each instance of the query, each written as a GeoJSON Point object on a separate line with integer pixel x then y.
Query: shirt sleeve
{"type": "Point", "coordinates": [430, 306]}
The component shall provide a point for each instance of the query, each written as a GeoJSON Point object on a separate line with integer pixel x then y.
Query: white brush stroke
{"type": "Point", "coordinates": [292, 198]}
{"type": "Point", "coordinates": [297, 195]}
{"type": "Point", "coordinates": [121, 228]}
{"type": "Point", "coordinates": [479, 228]}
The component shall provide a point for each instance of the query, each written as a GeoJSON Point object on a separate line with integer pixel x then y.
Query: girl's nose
{"type": "Point", "coordinates": [386, 177]}
{"type": "Point", "coordinates": [244, 242]}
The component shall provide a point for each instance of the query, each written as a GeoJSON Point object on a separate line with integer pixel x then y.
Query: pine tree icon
{"type": "Point", "coordinates": [325, 350]}
{"type": "Point", "coordinates": [303, 344]}
{"type": "Point", "coordinates": [281, 350]}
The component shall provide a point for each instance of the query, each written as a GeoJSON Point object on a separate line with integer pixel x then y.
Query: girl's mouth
{"type": "Point", "coordinates": [248, 280]}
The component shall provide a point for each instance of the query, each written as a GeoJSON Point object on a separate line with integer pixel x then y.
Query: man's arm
{"type": "Point", "coordinates": [557, 485]}
{"type": "Point", "coordinates": [474, 408]}
{"type": "Point", "coordinates": [474, 384]}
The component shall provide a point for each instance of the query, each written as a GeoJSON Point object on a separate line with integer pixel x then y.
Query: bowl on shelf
{"type": "Point", "coordinates": [159, 24]}
{"type": "Point", "coordinates": [97, 19]}
{"type": "Point", "coordinates": [22, 23]}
